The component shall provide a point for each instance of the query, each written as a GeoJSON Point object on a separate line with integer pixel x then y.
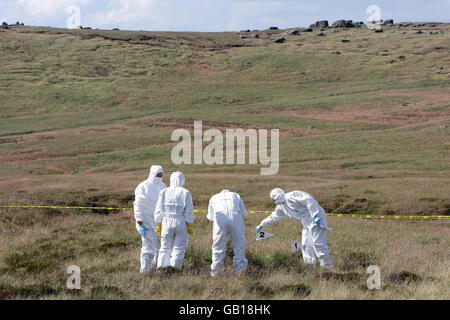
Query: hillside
{"type": "Point", "coordinates": [84, 113]}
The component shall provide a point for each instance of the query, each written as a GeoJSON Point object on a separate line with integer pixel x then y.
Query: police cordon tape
{"type": "Point", "coordinates": [332, 214]}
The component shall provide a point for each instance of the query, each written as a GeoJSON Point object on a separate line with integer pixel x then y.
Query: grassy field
{"type": "Point", "coordinates": [84, 113]}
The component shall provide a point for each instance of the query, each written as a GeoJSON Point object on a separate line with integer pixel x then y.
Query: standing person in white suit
{"type": "Point", "coordinates": [145, 198]}
{"type": "Point", "coordinates": [302, 206]}
{"type": "Point", "coordinates": [174, 216]}
{"type": "Point", "coordinates": [226, 209]}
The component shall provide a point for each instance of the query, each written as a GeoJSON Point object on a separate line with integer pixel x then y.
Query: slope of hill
{"type": "Point", "coordinates": [84, 113]}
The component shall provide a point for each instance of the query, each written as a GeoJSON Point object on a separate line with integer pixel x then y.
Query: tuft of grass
{"type": "Point", "coordinates": [301, 289]}
{"type": "Point", "coordinates": [401, 277]}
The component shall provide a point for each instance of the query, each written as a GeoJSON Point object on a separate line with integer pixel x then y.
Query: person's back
{"type": "Point", "coordinates": [226, 209]}
{"type": "Point", "coordinates": [174, 214]}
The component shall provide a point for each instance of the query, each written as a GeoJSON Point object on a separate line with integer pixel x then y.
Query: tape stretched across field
{"type": "Point", "coordinates": [339, 215]}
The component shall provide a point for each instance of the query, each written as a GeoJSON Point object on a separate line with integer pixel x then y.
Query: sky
{"type": "Point", "coordinates": [213, 15]}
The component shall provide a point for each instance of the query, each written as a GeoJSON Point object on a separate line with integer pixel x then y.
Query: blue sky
{"type": "Point", "coordinates": [214, 15]}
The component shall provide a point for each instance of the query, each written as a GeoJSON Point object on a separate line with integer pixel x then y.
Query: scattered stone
{"type": "Point", "coordinates": [294, 32]}
{"type": "Point", "coordinates": [273, 28]}
{"type": "Point", "coordinates": [359, 24]}
{"type": "Point", "coordinates": [243, 37]}
{"type": "Point", "coordinates": [388, 22]}
{"type": "Point", "coordinates": [419, 32]}
{"type": "Point", "coordinates": [4, 26]}
{"type": "Point", "coordinates": [443, 126]}
{"type": "Point", "coordinates": [334, 31]}
{"type": "Point", "coordinates": [402, 57]}
{"type": "Point", "coordinates": [403, 32]}
{"type": "Point", "coordinates": [345, 40]}
{"type": "Point", "coordinates": [116, 29]}
{"type": "Point", "coordinates": [256, 36]}
{"type": "Point", "coordinates": [311, 127]}
{"type": "Point", "coordinates": [336, 52]}
{"type": "Point", "coordinates": [378, 30]}
{"type": "Point", "coordinates": [308, 30]}
{"type": "Point", "coordinates": [320, 24]}
{"type": "Point", "coordinates": [280, 40]}
{"type": "Point", "coordinates": [248, 30]}
{"type": "Point", "coordinates": [320, 34]}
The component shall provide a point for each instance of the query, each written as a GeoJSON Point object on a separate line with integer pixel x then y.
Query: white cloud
{"type": "Point", "coordinates": [47, 8]}
{"type": "Point", "coordinates": [125, 13]}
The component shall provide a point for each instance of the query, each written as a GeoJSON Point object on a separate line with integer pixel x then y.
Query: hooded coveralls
{"type": "Point", "coordinates": [173, 209]}
{"type": "Point", "coordinates": [146, 195]}
{"type": "Point", "coordinates": [226, 209]}
{"type": "Point", "coordinates": [302, 206]}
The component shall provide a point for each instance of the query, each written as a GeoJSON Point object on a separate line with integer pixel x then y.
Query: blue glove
{"type": "Point", "coordinates": [317, 220]}
{"type": "Point", "coordinates": [258, 228]}
{"type": "Point", "coordinates": [142, 230]}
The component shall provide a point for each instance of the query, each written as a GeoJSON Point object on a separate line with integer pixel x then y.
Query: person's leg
{"type": "Point", "coordinates": [180, 244]}
{"type": "Point", "coordinates": [307, 247]}
{"type": "Point", "coordinates": [238, 240]}
{"type": "Point", "coordinates": [167, 240]}
{"type": "Point", "coordinates": [147, 252]}
{"type": "Point", "coordinates": [219, 245]}
{"type": "Point", "coordinates": [319, 238]}
{"type": "Point", "coordinates": [157, 248]}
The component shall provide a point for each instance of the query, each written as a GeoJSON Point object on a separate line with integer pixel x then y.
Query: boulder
{"type": "Point", "coordinates": [320, 34]}
{"type": "Point", "coordinates": [273, 28]}
{"type": "Point", "coordinates": [294, 32]}
{"type": "Point", "coordinates": [388, 22]}
{"type": "Point", "coordinates": [419, 32]}
{"type": "Point", "coordinates": [343, 24]}
{"type": "Point", "coordinates": [349, 24]}
{"type": "Point", "coordinates": [378, 30]}
{"type": "Point", "coordinates": [359, 24]}
{"type": "Point", "coordinates": [320, 24]}
{"type": "Point", "coordinates": [248, 30]}
{"type": "Point", "coordinates": [345, 40]}
{"type": "Point", "coordinates": [280, 40]}
{"type": "Point", "coordinates": [256, 36]}
{"type": "Point", "coordinates": [338, 24]}
{"type": "Point", "coordinates": [308, 30]}
{"type": "Point", "coordinates": [4, 26]}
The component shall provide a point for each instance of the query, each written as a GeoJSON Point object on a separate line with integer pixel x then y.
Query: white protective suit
{"type": "Point", "coordinates": [226, 209]}
{"type": "Point", "coordinates": [145, 198]}
{"type": "Point", "coordinates": [302, 206]}
{"type": "Point", "coordinates": [173, 209]}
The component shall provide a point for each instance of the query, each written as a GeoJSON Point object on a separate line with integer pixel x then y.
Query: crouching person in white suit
{"type": "Point", "coordinates": [174, 216]}
{"type": "Point", "coordinates": [226, 209]}
{"type": "Point", "coordinates": [300, 205]}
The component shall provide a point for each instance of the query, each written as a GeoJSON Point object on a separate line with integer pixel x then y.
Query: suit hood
{"type": "Point", "coordinates": [154, 170]}
{"type": "Point", "coordinates": [277, 195]}
{"type": "Point", "coordinates": [177, 179]}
